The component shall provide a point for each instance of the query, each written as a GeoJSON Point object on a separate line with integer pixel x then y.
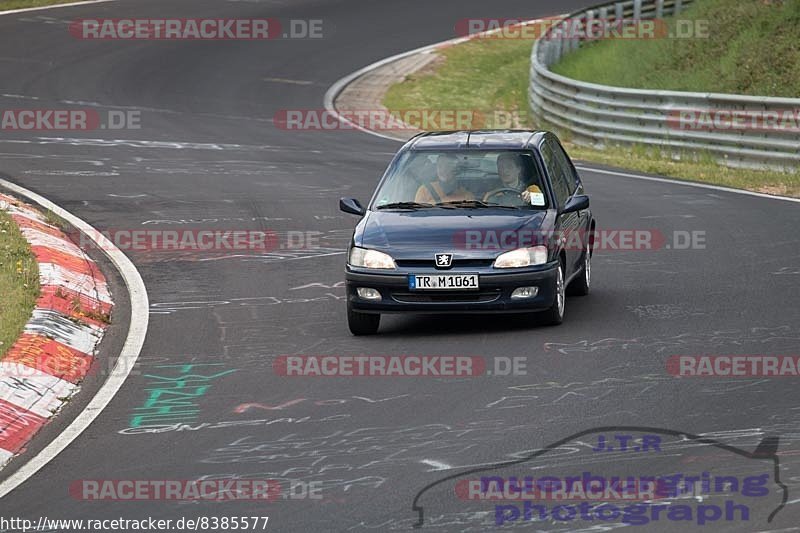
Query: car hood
{"type": "Point", "coordinates": [418, 234]}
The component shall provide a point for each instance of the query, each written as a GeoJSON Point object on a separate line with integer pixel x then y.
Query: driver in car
{"type": "Point", "coordinates": [510, 170]}
{"type": "Point", "coordinates": [446, 187]}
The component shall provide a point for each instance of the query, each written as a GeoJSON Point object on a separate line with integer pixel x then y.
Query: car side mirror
{"type": "Point", "coordinates": [352, 206]}
{"type": "Point", "coordinates": [579, 202]}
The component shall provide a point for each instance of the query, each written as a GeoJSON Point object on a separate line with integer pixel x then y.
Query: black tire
{"type": "Point", "coordinates": [362, 323]}
{"type": "Point", "coordinates": [580, 285]}
{"type": "Point", "coordinates": [555, 315]}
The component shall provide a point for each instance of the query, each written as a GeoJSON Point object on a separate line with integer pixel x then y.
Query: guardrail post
{"type": "Point", "coordinates": [589, 23]}
{"type": "Point", "coordinates": [542, 52]}
{"type": "Point", "coordinates": [549, 52]}
{"type": "Point", "coordinates": [604, 16]}
{"type": "Point", "coordinates": [618, 12]}
{"type": "Point", "coordinates": [659, 9]}
{"type": "Point", "coordinates": [678, 7]}
{"type": "Point", "coordinates": [637, 9]}
{"type": "Point", "coordinates": [574, 38]}
{"type": "Point", "coordinates": [560, 43]}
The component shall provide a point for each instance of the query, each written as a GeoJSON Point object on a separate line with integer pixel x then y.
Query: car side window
{"type": "Point", "coordinates": [556, 172]}
{"type": "Point", "coordinates": [570, 175]}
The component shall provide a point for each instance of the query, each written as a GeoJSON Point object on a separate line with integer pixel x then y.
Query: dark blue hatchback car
{"type": "Point", "coordinates": [471, 222]}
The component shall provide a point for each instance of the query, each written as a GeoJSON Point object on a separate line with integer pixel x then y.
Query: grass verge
{"type": "Point", "coordinates": [703, 169]}
{"type": "Point", "coordinates": [19, 282]}
{"type": "Point", "coordinates": [480, 74]}
{"type": "Point", "coordinates": [742, 47]}
{"type": "Point", "coordinates": [6, 5]}
{"type": "Point", "coordinates": [485, 74]}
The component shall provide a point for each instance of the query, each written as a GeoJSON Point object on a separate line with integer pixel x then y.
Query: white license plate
{"type": "Point", "coordinates": [438, 282]}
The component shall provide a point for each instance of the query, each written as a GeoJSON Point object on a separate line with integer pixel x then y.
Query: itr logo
{"type": "Point", "coordinates": [444, 260]}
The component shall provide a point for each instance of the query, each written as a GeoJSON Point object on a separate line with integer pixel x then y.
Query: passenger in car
{"type": "Point", "coordinates": [445, 188]}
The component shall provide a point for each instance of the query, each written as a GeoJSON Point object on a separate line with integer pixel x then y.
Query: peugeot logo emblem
{"type": "Point", "coordinates": [444, 260]}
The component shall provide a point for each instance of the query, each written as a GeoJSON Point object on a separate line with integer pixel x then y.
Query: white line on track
{"type": "Point", "coordinates": [437, 465]}
{"type": "Point", "coordinates": [42, 8]}
{"type": "Point", "coordinates": [127, 358]}
{"type": "Point", "coordinates": [339, 85]}
{"type": "Point", "coordinates": [286, 80]}
{"type": "Point", "coordinates": [687, 183]}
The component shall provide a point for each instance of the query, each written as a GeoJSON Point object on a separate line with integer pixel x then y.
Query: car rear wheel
{"type": "Point", "coordinates": [580, 285]}
{"type": "Point", "coordinates": [555, 315]}
{"type": "Point", "coordinates": [362, 323]}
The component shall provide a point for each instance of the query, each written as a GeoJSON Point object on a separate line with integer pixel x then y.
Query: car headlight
{"type": "Point", "coordinates": [361, 257]}
{"type": "Point", "coordinates": [522, 257]}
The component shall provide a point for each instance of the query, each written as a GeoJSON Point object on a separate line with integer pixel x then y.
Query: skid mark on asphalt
{"type": "Point", "coordinates": [272, 257]}
{"type": "Point", "coordinates": [660, 343]}
{"type": "Point", "coordinates": [215, 220]}
{"type": "Point", "coordinates": [337, 285]}
{"type": "Point", "coordinates": [42, 19]}
{"type": "Point", "coordinates": [75, 173]}
{"type": "Point", "coordinates": [306, 402]}
{"type": "Point", "coordinates": [662, 311]}
{"type": "Point", "coordinates": [532, 395]}
{"type": "Point", "coordinates": [137, 143]}
{"type": "Point", "coordinates": [19, 96]}
{"type": "Point", "coordinates": [787, 271]}
{"type": "Point", "coordinates": [263, 301]}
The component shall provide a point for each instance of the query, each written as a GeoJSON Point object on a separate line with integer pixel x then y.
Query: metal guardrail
{"type": "Point", "coordinates": [600, 115]}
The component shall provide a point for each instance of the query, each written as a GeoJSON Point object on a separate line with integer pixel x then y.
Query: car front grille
{"type": "Point", "coordinates": [446, 297]}
{"type": "Point", "coordinates": [457, 263]}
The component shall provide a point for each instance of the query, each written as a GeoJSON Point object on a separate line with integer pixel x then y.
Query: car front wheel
{"type": "Point", "coordinates": [580, 285]}
{"type": "Point", "coordinates": [555, 315]}
{"type": "Point", "coordinates": [362, 323]}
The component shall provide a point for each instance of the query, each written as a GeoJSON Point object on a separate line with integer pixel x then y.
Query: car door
{"type": "Point", "coordinates": [559, 170]}
{"type": "Point", "coordinates": [575, 185]}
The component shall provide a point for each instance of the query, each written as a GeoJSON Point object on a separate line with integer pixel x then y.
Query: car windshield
{"type": "Point", "coordinates": [463, 179]}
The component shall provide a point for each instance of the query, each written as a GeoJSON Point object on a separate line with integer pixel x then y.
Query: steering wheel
{"type": "Point", "coordinates": [502, 191]}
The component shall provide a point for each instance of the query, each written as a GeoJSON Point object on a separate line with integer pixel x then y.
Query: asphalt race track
{"type": "Point", "coordinates": [209, 157]}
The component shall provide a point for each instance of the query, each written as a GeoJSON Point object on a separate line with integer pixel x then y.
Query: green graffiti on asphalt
{"type": "Point", "coordinates": [172, 399]}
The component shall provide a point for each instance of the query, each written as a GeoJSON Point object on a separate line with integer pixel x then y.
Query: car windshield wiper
{"type": "Point", "coordinates": [474, 204]}
{"type": "Point", "coordinates": [404, 205]}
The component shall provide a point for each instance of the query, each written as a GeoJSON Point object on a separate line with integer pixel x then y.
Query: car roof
{"type": "Point", "coordinates": [476, 139]}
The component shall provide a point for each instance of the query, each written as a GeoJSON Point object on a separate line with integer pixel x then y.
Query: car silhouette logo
{"type": "Point", "coordinates": [444, 260]}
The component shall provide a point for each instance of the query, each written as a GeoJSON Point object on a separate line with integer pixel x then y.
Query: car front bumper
{"type": "Point", "coordinates": [494, 295]}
